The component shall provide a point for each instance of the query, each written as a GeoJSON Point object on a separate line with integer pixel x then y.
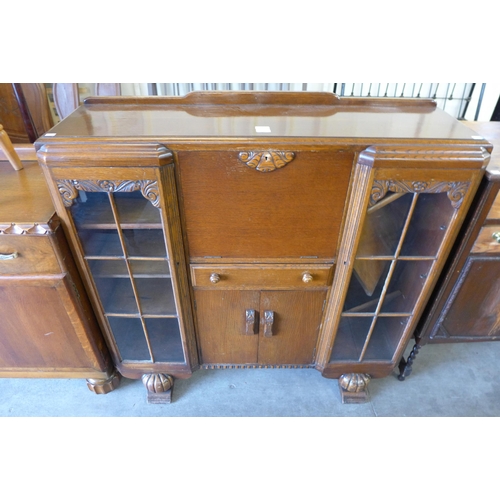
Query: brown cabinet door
{"type": "Point", "coordinates": [474, 313]}
{"type": "Point", "coordinates": [222, 328]}
{"type": "Point", "coordinates": [41, 329]}
{"type": "Point", "coordinates": [294, 331]}
{"type": "Point", "coordinates": [226, 337]}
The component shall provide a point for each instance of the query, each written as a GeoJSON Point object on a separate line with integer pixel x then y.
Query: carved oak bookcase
{"type": "Point", "coordinates": [260, 230]}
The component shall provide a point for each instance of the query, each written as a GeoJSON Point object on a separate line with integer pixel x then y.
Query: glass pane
{"type": "Point", "coordinates": [117, 295]}
{"type": "Point", "coordinates": [383, 225]}
{"type": "Point", "coordinates": [406, 285]}
{"type": "Point", "coordinates": [91, 209]}
{"type": "Point", "coordinates": [165, 338]}
{"type": "Point", "coordinates": [366, 285]}
{"type": "Point", "coordinates": [155, 295]}
{"type": "Point", "coordinates": [134, 208]}
{"type": "Point", "coordinates": [108, 268]}
{"type": "Point", "coordinates": [385, 338]}
{"type": "Point", "coordinates": [144, 242]}
{"type": "Point", "coordinates": [130, 339]}
{"type": "Point", "coordinates": [351, 336]}
{"type": "Point", "coordinates": [150, 268]}
{"type": "Point", "coordinates": [432, 216]}
{"type": "Point", "coordinates": [100, 243]}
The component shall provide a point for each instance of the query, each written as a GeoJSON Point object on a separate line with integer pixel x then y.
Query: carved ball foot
{"type": "Point", "coordinates": [353, 387]}
{"type": "Point", "coordinates": [99, 386]}
{"type": "Point", "coordinates": [159, 387]}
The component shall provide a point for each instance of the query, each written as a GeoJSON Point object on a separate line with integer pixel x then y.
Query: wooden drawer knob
{"type": "Point", "coordinates": [214, 278]}
{"type": "Point", "coordinates": [496, 236]}
{"type": "Point", "coordinates": [307, 278]}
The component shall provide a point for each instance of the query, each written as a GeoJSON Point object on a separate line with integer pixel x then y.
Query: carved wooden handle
{"type": "Point", "coordinates": [307, 278]}
{"type": "Point", "coordinates": [496, 236]}
{"type": "Point", "coordinates": [214, 278]}
{"type": "Point", "coordinates": [250, 323]}
{"type": "Point", "coordinates": [9, 256]}
{"type": "Point", "coordinates": [268, 323]}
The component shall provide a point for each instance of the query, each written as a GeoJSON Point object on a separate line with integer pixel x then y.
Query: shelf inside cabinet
{"type": "Point", "coordinates": [155, 296]}
{"type": "Point", "coordinates": [116, 268]}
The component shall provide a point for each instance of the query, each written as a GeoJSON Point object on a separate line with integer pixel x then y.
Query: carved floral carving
{"type": "Point", "coordinates": [455, 190]}
{"type": "Point", "coordinates": [266, 161]}
{"type": "Point", "coordinates": [68, 189]}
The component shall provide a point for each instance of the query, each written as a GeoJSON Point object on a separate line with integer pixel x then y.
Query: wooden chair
{"type": "Point", "coordinates": [8, 149]}
{"type": "Point", "coordinates": [25, 114]}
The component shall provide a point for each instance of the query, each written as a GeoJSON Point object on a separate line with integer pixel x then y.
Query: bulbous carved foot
{"type": "Point", "coordinates": [159, 387]}
{"type": "Point", "coordinates": [99, 386]}
{"type": "Point", "coordinates": [353, 387]}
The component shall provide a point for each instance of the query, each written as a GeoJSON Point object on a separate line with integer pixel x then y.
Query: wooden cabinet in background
{"type": "Point", "coordinates": [47, 328]}
{"type": "Point", "coordinates": [465, 305]}
{"type": "Point", "coordinates": [260, 229]}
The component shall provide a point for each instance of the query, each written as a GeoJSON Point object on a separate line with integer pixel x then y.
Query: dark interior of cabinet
{"type": "Point", "coordinates": [163, 334]}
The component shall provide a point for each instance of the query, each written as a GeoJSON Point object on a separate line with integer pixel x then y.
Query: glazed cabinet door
{"type": "Point", "coordinates": [125, 229]}
{"type": "Point", "coordinates": [398, 234]}
{"type": "Point", "coordinates": [123, 243]}
{"type": "Point", "coordinates": [397, 251]}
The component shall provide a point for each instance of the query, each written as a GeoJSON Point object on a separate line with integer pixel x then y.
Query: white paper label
{"type": "Point", "coordinates": [262, 129]}
{"type": "Point", "coordinates": [50, 135]}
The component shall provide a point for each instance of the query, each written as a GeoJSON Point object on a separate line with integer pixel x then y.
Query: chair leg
{"type": "Point", "coordinates": [9, 151]}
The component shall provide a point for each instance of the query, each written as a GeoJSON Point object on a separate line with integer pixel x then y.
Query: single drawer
{"type": "Point", "coordinates": [261, 277]}
{"type": "Point", "coordinates": [488, 240]}
{"type": "Point", "coordinates": [494, 212]}
{"type": "Point", "coordinates": [21, 254]}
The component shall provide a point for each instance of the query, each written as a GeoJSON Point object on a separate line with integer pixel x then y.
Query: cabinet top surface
{"type": "Point", "coordinates": [260, 116]}
{"type": "Point", "coordinates": [491, 132]}
{"type": "Point", "coordinates": [24, 196]}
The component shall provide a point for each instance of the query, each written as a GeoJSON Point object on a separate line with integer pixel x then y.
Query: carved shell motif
{"type": "Point", "coordinates": [354, 382]}
{"type": "Point", "coordinates": [266, 161]}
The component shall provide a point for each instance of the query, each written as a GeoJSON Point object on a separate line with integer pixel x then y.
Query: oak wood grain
{"type": "Point", "coordinates": [261, 277]}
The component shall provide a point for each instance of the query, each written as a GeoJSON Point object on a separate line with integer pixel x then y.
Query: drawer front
{"type": "Point", "coordinates": [29, 255]}
{"type": "Point", "coordinates": [494, 212]}
{"type": "Point", "coordinates": [488, 240]}
{"type": "Point", "coordinates": [261, 277]}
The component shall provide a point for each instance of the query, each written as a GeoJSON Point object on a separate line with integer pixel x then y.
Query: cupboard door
{"type": "Point", "coordinates": [124, 244]}
{"type": "Point", "coordinates": [399, 249]}
{"type": "Point", "coordinates": [474, 312]}
{"type": "Point", "coordinates": [41, 329]}
{"type": "Point", "coordinates": [291, 339]}
{"type": "Point", "coordinates": [224, 336]}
